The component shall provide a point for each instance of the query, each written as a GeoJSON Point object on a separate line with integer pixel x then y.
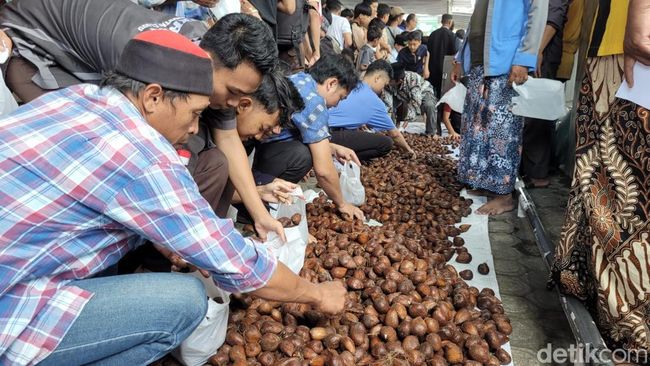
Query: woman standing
{"type": "Point", "coordinates": [501, 48]}
{"type": "Point", "coordinates": [603, 256]}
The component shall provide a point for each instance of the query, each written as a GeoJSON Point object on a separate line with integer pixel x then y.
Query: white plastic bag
{"type": "Point", "coordinates": [232, 213]}
{"type": "Point", "coordinates": [351, 187]}
{"type": "Point", "coordinates": [299, 206]}
{"type": "Point", "coordinates": [206, 339]}
{"type": "Point", "coordinates": [455, 98]}
{"type": "Point", "coordinates": [7, 102]}
{"type": "Point", "coordinates": [539, 98]}
{"type": "Point", "coordinates": [291, 253]}
{"type": "Point", "coordinates": [225, 7]}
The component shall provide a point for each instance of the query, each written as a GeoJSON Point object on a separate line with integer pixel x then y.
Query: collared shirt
{"type": "Point", "coordinates": [413, 62]}
{"type": "Point", "coordinates": [310, 124]}
{"type": "Point", "coordinates": [348, 114]}
{"type": "Point", "coordinates": [83, 180]}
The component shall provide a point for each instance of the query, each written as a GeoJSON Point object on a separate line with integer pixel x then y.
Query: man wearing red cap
{"type": "Point", "coordinates": [88, 173]}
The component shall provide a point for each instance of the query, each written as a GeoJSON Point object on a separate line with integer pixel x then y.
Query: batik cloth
{"type": "Point", "coordinates": [603, 256]}
{"type": "Point", "coordinates": [490, 150]}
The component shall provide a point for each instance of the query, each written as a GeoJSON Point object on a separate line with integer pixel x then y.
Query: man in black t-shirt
{"type": "Point", "coordinates": [441, 43]}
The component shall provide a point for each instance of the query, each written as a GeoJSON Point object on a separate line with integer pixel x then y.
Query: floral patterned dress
{"type": "Point", "coordinates": [490, 150]}
{"type": "Point", "coordinates": [603, 256]}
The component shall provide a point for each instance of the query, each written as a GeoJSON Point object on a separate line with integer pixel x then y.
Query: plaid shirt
{"type": "Point", "coordinates": [311, 125]}
{"type": "Point", "coordinates": [84, 179]}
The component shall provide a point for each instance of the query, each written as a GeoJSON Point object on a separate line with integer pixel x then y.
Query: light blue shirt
{"type": "Point", "coordinates": [361, 107]}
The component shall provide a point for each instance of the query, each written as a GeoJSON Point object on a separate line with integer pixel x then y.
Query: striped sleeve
{"type": "Point", "coordinates": [164, 205]}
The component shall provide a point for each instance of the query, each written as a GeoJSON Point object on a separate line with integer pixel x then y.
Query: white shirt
{"type": "Point", "coordinates": [339, 26]}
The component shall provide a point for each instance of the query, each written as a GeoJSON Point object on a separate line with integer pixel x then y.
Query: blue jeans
{"type": "Point", "coordinates": [132, 319]}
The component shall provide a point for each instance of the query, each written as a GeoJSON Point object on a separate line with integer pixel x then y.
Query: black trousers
{"type": "Point", "coordinates": [288, 160]}
{"type": "Point", "coordinates": [366, 145]}
{"type": "Point", "coordinates": [537, 145]}
{"type": "Point", "coordinates": [538, 139]}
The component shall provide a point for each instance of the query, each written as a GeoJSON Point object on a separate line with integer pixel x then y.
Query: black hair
{"type": "Point", "coordinates": [348, 53]}
{"type": "Point", "coordinates": [446, 18]}
{"type": "Point", "coordinates": [380, 66]}
{"type": "Point", "coordinates": [336, 66]}
{"type": "Point", "coordinates": [460, 34]}
{"type": "Point", "coordinates": [398, 71]}
{"type": "Point", "coordinates": [277, 92]}
{"type": "Point", "coordinates": [334, 5]}
{"type": "Point", "coordinates": [237, 38]}
{"type": "Point", "coordinates": [370, 2]}
{"type": "Point", "coordinates": [347, 13]}
{"type": "Point", "coordinates": [374, 33]}
{"type": "Point", "coordinates": [410, 17]}
{"type": "Point", "coordinates": [327, 19]}
{"type": "Point", "coordinates": [416, 35]}
{"type": "Point", "coordinates": [362, 9]}
{"type": "Point", "coordinates": [465, 81]}
{"type": "Point", "coordinates": [400, 39]}
{"type": "Point", "coordinates": [377, 23]}
{"type": "Point", "coordinates": [128, 85]}
{"type": "Point", "coordinates": [383, 10]}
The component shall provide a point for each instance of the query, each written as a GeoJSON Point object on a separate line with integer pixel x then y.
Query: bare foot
{"type": "Point", "coordinates": [539, 183]}
{"type": "Point", "coordinates": [497, 205]}
{"type": "Point", "coordinates": [480, 192]}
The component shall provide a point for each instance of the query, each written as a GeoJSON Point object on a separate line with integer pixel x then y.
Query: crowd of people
{"type": "Point", "coordinates": [138, 118]}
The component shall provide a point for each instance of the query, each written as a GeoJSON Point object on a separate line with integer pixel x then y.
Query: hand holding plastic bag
{"type": "Point", "coordinates": [291, 253]}
{"type": "Point", "coordinates": [539, 98]}
{"type": "Point", "coordinates": [351, 187]}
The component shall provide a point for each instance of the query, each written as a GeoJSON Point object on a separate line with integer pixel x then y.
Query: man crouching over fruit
{"type": "Point", "coordinates": [89, 173]}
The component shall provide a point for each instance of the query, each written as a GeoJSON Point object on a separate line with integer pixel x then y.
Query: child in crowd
{"type": "Point", "coordinates": [360, 23]}
{"type": "Point", "coordinates": [367, 52]}
{"type": "Point", "coordinates": [347, 14]}
{"type": "Point", "coordinates": [452, 120]}
{"type": "Point", "coordinates": [400, 43]}
{"type": "Point", "coordinates": [415, 57]}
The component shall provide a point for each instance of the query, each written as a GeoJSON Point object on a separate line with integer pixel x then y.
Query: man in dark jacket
{"type": "Point", "coordinates": [538, 134]}
{"type": "Point", "coordinates": [442, 42]}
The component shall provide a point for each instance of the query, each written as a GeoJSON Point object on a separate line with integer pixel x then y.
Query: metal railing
{"type": "Point", "coordinates": [582, 324]}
